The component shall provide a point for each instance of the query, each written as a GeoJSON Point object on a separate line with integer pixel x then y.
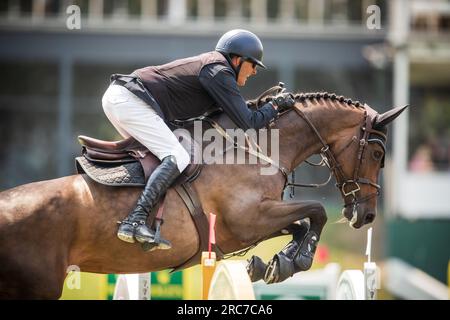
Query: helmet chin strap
{"type": "Point", "coordinates": [238, 68]}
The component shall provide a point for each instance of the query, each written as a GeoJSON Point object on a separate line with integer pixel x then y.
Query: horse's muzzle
{"type": "Point", "coordinates": [363, 215]}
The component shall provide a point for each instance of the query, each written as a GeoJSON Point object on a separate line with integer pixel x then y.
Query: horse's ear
{"type": "Point", "coordinates": [387, 117]}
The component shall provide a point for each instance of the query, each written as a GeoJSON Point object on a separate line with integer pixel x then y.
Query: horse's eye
{"type": "Point", "coordinates": [377, 155]}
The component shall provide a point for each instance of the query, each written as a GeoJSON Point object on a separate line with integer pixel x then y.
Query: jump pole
{"type": "Point", "coordinates": [358, 285]}
{"type": "Point", "coordinates": [371, 272]}
{"type": "Point", "coordinates": [209, 259]}
{"type": "Point", "coordinates": [133, 287]}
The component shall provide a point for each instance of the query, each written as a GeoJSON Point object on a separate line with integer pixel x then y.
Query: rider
{"type": "Point", "coordinates": [139, 104]}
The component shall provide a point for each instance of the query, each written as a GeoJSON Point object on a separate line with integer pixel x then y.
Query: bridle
{"type": "Point", "coordinates": [350, 186]}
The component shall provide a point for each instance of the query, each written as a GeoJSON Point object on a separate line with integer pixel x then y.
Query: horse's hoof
{"type": "Point", "coordinates": [279, 269]}
{"type": "Point", "coordinates": [256, 268]}
{"type": "Point", "coordinates": [272, 271]}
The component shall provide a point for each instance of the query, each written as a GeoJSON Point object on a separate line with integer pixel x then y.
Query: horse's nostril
{"type": "Point", "coordinates": [369, 218]}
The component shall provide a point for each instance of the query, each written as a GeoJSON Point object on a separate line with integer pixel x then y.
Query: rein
{"type": "Point", "coordinates": [323, 162]}
{"type": "Point", "coordinates": [347, 186]}
{"type": "Point", "coordinates": [248, 149]}
{"type": "Point", "coordinates": [330, 160]}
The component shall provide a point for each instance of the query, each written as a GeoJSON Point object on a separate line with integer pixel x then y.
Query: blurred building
{"type": "Point", "coordinates": [418, 176]}
{"type": "Point", "coordinates": [54, 77]}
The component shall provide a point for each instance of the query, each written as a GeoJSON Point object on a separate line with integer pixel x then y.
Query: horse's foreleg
{"type": "Point", "coordinates": [284, 215]}
{"type": "Point", "coordinates": [299, 253]}
{"type": "Point", "coordinates": [256, 267]}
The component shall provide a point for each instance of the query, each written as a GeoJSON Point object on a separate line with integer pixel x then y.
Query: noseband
{"type": "Point", "coordinates": [351, 186]}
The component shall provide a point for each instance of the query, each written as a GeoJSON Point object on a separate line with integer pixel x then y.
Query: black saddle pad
{"type": "Point", "coordinates": [126, 174]}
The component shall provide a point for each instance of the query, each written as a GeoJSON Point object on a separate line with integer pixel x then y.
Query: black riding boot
{"type": "Point", "coordinates": [134, 225]}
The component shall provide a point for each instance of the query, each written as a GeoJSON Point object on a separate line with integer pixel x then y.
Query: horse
{"type": "Point", "coordinates": [47, 226]}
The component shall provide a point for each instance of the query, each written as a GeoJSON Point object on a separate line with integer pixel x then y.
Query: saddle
{"type": "Point", "coordinates": [128, 163]}
{"type": "Point", "coordinates": [129, 151]}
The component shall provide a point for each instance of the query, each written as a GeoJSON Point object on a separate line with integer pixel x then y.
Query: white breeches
{"type": "Point", "coordinates": [131, 116]}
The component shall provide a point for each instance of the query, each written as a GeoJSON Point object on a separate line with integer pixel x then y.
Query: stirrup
{"type": "Point", "coordinates": [152, 246]}
{"type": "Point", "coordinates": [158, 242]}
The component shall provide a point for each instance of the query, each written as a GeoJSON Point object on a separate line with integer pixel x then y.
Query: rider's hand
{"type": "Point", "coordinates": [251, 104]}
{"type": "Point", "coordinates": [284, 101]}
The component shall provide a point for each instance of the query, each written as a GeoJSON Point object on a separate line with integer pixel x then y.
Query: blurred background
{"type": "Point", "coordinates": [384, 53]}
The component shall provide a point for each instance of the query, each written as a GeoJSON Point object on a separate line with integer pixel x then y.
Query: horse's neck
{"type": "Point", "coordinates": [298, 141]}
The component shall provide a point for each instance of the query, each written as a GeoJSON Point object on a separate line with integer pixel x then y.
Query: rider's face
{"type": "Point", "coordinates": [247, 69]}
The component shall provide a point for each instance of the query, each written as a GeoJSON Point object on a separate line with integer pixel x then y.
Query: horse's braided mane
{"type": "Point", "coordinates": [327, 96]}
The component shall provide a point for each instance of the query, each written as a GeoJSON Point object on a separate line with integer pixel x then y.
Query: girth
{"type": "Point", "coordinates": [192, 202]}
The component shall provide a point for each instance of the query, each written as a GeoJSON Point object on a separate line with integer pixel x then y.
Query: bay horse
{"type": "Point", "coordinates": [47, 226]}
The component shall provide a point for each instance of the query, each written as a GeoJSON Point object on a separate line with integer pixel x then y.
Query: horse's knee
{"type": "Point", "coordinates": [317, 212]}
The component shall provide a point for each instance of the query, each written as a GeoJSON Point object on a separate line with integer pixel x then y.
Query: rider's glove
{"type": "Point", "coordinates": [251, 104]}
{"type": "Point", "coordinates": [284, 101]}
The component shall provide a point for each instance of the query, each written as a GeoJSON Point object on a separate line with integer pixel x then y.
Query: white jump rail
{"type": "Point", "coordinates": [231, 282]}
{"type": "Point", "coordinates": [133, 287]}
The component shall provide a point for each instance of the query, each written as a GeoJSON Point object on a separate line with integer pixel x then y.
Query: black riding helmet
{"type": "Point", "coordinates": [241, 43]}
